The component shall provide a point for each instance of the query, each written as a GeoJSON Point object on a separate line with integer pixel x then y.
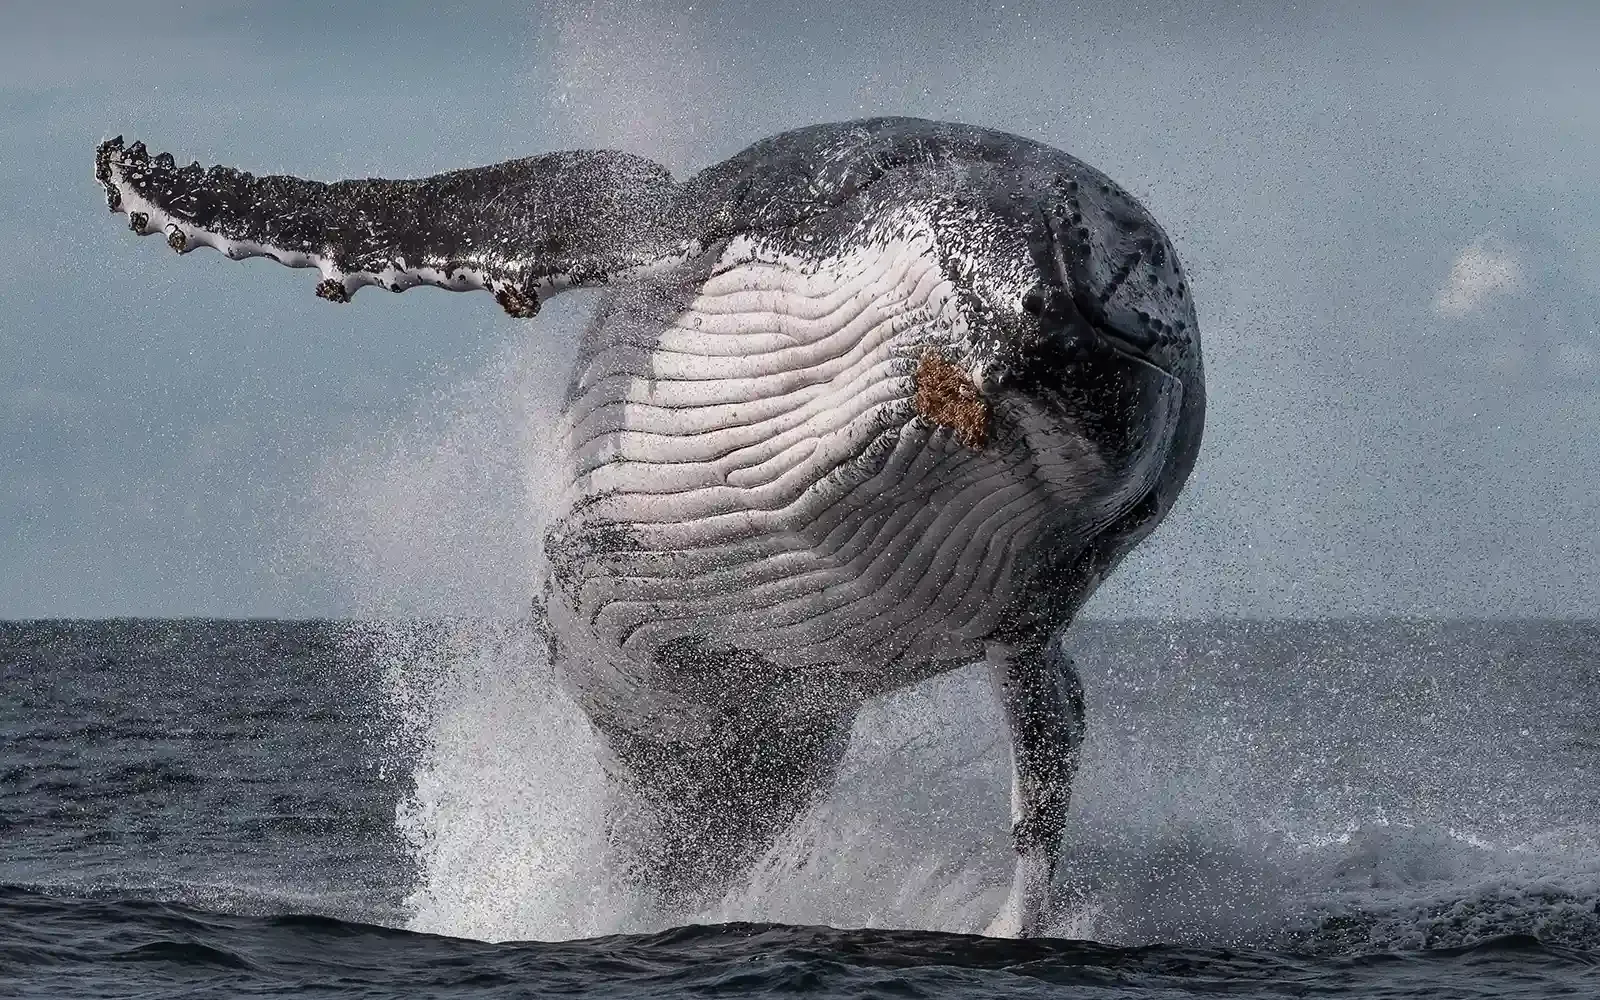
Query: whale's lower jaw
{"type": "Point", "coordinates": [757, 476]}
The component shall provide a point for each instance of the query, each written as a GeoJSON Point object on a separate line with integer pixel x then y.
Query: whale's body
{"type": "Point", "coordinates": [865, 403]}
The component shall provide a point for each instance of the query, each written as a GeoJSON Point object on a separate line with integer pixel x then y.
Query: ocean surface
{"type": "Point", "coordinates": [345, 809]}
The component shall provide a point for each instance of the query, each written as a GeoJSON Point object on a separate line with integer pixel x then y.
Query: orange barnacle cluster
{"type": "Point", "coordinates": [947, 396]}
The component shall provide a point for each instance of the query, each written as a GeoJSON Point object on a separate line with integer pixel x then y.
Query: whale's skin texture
{"type": "Point", "coordinates": [866, 402]}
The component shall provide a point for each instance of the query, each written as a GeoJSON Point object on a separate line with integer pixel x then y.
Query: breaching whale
{"type": "Point", "coordinates": [866, 402]}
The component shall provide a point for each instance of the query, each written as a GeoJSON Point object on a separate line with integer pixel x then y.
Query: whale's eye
{"type": "Point", "coordinates": [1033, 301]}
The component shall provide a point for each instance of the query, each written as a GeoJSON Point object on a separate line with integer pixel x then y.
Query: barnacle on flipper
{"type": "Point", "coordinates": [517, 303]}
{"type": "Point", "coordinates": [333, 290]}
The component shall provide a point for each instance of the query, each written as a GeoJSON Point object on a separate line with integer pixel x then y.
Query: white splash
{"type": "Point", "coordinates": [1183, 830]}
{"type": "Point", "coordinates": [442, 515]}
{"type": "Point", "coordinates": [505, 819]}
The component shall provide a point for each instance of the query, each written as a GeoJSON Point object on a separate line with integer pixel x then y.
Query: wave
{"type": "Point", "coordinates": [109, 947]}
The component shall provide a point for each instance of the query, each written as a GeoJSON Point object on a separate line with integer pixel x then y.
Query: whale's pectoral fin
{"type": "Point", "coordinates": [522, 229]}
{"type": "Point", "coordinates": [1042, 699]}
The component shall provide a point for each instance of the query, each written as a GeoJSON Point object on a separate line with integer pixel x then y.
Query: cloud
{"type": "Point", "coordinates": [1578, 358]}
{"type": "Point", "coordinates": [1480, 273]}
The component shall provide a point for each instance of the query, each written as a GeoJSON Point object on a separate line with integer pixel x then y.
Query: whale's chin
{"type": "Point", "coordinates": [1103, 429]}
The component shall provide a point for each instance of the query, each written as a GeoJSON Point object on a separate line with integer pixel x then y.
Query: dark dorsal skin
{"type": "Point", "coordinates": [1102, 323]}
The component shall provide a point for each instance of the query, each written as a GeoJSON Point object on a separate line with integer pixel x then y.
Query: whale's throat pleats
{"type": "Point", "coordinates": [749, 468]}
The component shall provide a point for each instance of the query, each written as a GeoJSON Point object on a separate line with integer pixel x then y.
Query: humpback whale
{"type": "Point", "coordinates": [865, 402]}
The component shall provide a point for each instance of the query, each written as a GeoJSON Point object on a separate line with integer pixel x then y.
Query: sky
{"type": "Point", "coordinates": [1388, 214]}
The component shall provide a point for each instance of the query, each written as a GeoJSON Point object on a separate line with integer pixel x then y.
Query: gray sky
{"type": "Point", "coordinates": [1389, 219]}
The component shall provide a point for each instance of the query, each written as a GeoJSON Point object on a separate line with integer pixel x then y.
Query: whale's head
{"type": "Point", "coordinates": [1078, 339]}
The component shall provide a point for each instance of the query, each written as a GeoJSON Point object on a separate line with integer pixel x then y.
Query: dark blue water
{"type": "Point", "coordinates": [325, 809]}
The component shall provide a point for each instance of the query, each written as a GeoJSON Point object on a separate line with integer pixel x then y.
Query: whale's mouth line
{"type": "Point", "coordinates": [1128, 349]}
